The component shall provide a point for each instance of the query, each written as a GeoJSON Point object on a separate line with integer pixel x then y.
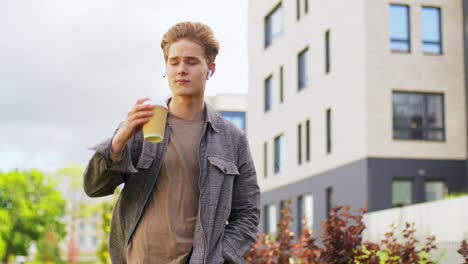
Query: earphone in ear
{"type": "Point", "coordinates": [208, 75]}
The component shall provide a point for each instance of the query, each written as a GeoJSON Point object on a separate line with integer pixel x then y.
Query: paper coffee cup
{"type": "Point", "coordinates": [153, 130]}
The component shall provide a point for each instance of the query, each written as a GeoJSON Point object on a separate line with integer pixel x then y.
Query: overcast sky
{"type": "Point", "coordinates": [71, 70]}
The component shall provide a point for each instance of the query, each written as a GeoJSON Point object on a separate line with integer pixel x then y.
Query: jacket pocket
{"type": "Point", "coordinates": [221, 182]}
{"type": "Point", "coordinates": [225, 166]}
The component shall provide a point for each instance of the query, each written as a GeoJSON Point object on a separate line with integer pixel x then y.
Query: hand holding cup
{"type": "Point", "coordinates": [139, 115]}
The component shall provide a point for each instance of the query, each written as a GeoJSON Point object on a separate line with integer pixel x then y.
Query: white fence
{"type": "Point", "coordinates": [447, 220]}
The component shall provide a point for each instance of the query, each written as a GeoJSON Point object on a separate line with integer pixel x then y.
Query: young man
{"type": "Point", "coordinates": [194, 197]}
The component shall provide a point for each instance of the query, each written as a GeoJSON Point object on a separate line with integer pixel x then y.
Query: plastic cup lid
{"type": "Point", "coordinates": [156, 102]}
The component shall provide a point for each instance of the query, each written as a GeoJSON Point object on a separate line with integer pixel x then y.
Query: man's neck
{"type": "Point", "coordinates": [186, 107]}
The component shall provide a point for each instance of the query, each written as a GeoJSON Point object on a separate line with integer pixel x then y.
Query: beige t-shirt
{"type": "Point", "coordinates": [165, 231]}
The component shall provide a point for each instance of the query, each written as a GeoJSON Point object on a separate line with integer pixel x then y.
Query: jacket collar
{"type": "Point", "coordinates": [212, 117]}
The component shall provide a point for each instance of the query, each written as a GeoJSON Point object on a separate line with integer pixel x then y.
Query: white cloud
{"type": "Point", "coordinates": [71, 70]}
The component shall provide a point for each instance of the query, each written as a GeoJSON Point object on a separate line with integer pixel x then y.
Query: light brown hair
{"type": "Point", "coordinates": [193, 31]}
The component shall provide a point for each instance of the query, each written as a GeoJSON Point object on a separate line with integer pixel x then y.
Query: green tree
{"type": "Point", "coordinates": [30, 206]}
{"type": "Point", "coordinates": [106, 215]}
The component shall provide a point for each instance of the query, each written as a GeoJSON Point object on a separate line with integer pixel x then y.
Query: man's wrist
{"type": "Point", "coordinates": [114, 155]}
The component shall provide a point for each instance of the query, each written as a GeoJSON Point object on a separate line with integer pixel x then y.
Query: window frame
{"type": "Point", "coordinates": [440, 42]}
{"type": "Point", "coordinates": [307, 140]}
{"type": "Point", "coordinates": [328, 117]}
{"type": "Point", "coordinates": [229, 114]}
{"type": "Point", "coordinates": [301, 85]}
{"type": "Point", "coordinates": [299, 144]}
{"type": "Point", "coordinates": [267, 26]}
{"type": "Point", "coordinates": [281, 81]}
{"type": "Point", "coordinates": [403, 179]}
{"type": "Point", "coordinates": [443, 181]}
{"type": "Point", "coordinates": [278, 165]}
{"type": "Point", "coordinates": [329, 203]}
{"type": "Point", "coordinates": [301, 212]}
{"type": "Point", "coordinates": [408, 28]}
{"type": "Point", "coordinates": [424, 128]}
{"type": "Point", "coordinates": [268, 94]}
{"type": "Point", "coordinates": [265, 159]}
{"type": "Point", "coordinates": [327, 52]}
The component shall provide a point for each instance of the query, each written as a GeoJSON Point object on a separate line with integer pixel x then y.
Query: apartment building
{"type": "Point", "coordinates": [230, 106]}
{"type": "Point", "coordinates": [355, 102]}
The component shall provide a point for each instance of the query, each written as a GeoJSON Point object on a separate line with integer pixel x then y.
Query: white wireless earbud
{"type": "Point", "coordinates": [208, 75]}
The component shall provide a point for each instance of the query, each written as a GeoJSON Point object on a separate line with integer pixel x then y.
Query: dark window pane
{"type": "Point", "coordinates": [307, 140]}
{"type": "Point", "coordinates": [327, 51]}
{"type": "Point", "coordinates": [268, 93]}
{"type": "Point", "coordinates": [328, 125]}
{"type": "Point", "coordinates": [298, 10]}
{"type": "Point", "coordinates": [302, 65]}
{"type": "Point", "coordinates": [299, 144]}
{"type": "Point", "coordinates": [435, 135]}
{"type": "Point", "coordinates": [434, 111]}
{"type": "Point", "coordinates": [418, 116]}
{"type": "Point", "coordinates": [329, 200]}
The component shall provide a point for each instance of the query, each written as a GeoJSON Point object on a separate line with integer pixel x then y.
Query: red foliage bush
{"type": "Point", "coordinates": [341, 242]}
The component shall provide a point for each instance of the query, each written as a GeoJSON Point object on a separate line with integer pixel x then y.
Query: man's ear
{"type": "Point", "coordinates": [211, 70]}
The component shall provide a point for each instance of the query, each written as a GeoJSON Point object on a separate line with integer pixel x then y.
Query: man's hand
{"type": "Point", "coordinates": [138, 116]}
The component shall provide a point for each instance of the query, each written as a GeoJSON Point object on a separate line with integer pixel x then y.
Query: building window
{"type": "Point", "coordinates": [418, 116]}
{"type": "Point", "coordinates": [298, 10]}
{"type": "Point", "coordinates": [435, 190]}
{"type": "Point", "coordinates": [282, 204]}
{"type": "Point", "coordinates": [307, 132]}
{"type": "Point", "coordinates": [273, 25]}
{"type": "Point", "coordinates": [94, 241]}
{"type": "Point", "coordinates": [431, 30]}
{"type": "Point", "coordinates": [82, 226]}
{"type": "Point", "coordinates": [82, 241]}
{"type": "Point", "coordinates": [400, 28]}
{"type": "Point", "coordinates": [299, 144]}
{"type": "Point", "coordinates": [270, 219]}
{"type": "Point", "coordinates": [328, 125]}
{"type": "Point", "coordinates": [265, 159]}
{"type": "Point", "coordinates": [236, 117]}
{"type": "Point", "coordinates": [302, 69]}
{"type": "Point", "coordinates": [329, 200]}
{"type": "Point", "coordinates": [327, 51]}
{"type": "Point", "coordinates": [306, 210]}
{"type": "Point", "coordinates": [402, 192]}
{"type": "Point", "coordinates": [281, 84]}
{"type": "Point", "coordinates": [268, 93]}
{"type": "Point", "coordinates": [279, 154]}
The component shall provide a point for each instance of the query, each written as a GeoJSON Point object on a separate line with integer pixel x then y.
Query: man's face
{"type": "Point", "coordinates": [186, 68]}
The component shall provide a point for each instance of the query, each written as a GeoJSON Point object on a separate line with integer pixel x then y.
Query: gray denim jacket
{"type": "Point", "coordinates": [229, 204]}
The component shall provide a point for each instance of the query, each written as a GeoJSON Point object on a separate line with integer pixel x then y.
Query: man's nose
{"type": "Point", "coordinates": [182, 69]}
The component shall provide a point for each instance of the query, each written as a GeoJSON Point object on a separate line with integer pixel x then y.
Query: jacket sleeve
{"type": "Point", "coordinates": [102, 176]}
{"type": "Point", "coordinates": [240, 234]}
